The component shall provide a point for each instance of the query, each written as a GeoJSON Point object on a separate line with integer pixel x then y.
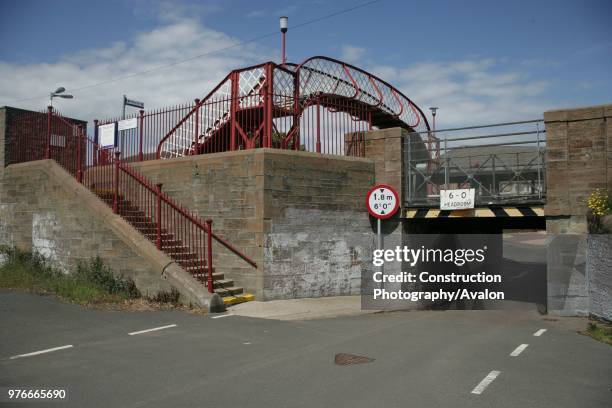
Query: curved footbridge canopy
{"type": "Point", "coordinates": [321, 105]}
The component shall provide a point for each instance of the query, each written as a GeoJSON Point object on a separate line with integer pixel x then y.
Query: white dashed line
{"type": "Point", "coordinates": [485, 382]}
{"type": "Point", "coordinates": [35, 353]}
{"type": "Point", "coordinates": [539, 332]}
{"type": "Point", "coordinates": [220, 316]}
{"type": "Point", "coordinates": [153, 329]}
{"type": "Point", "coordinates": [519, 350]}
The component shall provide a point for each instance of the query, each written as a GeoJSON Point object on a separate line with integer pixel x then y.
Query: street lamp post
{"type": "Point", "coordinates": [59, 93]}
{"type": "Point", "coordinates": [284, 21]}
{"type": "Point", "coordinates": [431, 141]}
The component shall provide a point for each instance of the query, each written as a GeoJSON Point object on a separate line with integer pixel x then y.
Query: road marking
{"type": "Point", "coordinates": [485, 382]}
{"type": "Point", "coordinates": [220, 316]}
{"type": "Point", "coordinates": [35, 353]}
{"type": "Point", "coordinates": [519, 350]}
{"type": "Point", "coordinates": [153, 329]}
{"type": "Point", "coordinates": [539, 332]}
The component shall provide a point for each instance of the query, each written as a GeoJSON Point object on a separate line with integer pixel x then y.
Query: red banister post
{"type": "Point", "coordinates": [234, 78]}
{"type": "Point", "coordinates": [140, 130]}
{"type": "Point", "coordinates": [158, 240]}
{"type": "Point", "coordinates": [196, 136]}
{"type": "Point", "coordinates": [268, 106]}
{"type": "Point", "coordinates": [318, 126]}
{"type": "Point", "coordinates": [48, 142]}
{"type": "Point", "coordinates": [209, 280]}
{"type": "Point", "coordinates": [79, 165]}
{"type": "Point", "coordinates": [116, 184]}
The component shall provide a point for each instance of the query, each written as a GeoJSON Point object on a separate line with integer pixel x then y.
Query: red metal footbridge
{"type": "Point", "coordinates": [311, 106]}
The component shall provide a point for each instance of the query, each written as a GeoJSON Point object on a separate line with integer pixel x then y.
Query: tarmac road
{"type": "Point", "coordinates": [421, 359]}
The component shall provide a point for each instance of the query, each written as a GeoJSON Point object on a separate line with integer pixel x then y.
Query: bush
{"type": "Point", "coordinates": [599, 206]}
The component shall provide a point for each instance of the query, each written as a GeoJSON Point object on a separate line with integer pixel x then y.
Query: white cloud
{"type": "Point", "coordinates": [176, 40]}
{"type": "Point", "coordinates": [471, 91]}
{"type": "Point", "coordinates": [352, 54]}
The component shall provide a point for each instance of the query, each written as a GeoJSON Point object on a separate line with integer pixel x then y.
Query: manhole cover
{"type": "Point", "coordinates": [348, 359]}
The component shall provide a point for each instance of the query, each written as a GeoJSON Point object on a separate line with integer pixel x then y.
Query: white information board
{"type": "Point", "coordinates": [127, 124]}
{"type": "Point", "coordinates": [382, 201]}
{"type": "Point", "coordinates": [459, 199]}
{"type": "Point", "coordinates": [106, 135]}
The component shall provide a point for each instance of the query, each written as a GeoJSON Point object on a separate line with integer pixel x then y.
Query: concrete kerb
{"type": "Point", "coordinates": [191, 291]}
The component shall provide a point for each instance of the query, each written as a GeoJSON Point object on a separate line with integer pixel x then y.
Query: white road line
{"type": "Point", "coordinates": [153, 329]}
{"type": "Point", "coordinates": [35, 353]}
{"type": "Point", "coordinates": [485, 382]}
{"type": "Point", "coordinates": [519, 350]}
{"type": "Point", "coordinates": [539, 332]}
{"type": "Point", "coordinates": [220, 316]}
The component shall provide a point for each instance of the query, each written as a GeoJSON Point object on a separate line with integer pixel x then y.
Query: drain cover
{"type": "Point", "coordinates": [348, 359]}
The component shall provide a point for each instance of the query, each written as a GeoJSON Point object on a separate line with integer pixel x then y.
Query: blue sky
{"type": "Point", "coordinates": [479, 61]}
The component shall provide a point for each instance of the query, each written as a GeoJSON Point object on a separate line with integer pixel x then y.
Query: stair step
{"type": "Point", "coordinates": [195, 270]}
{"type": "Point", "coordinates": [182, 256]}
{"type": "Point", "coordinates": [223, 283]}
{"type": "Point", "coordinates": [234, 300]}
{"type": "Point", "coordinates": [229, 291]}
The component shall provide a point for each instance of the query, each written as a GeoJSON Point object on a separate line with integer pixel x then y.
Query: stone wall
{"type": "Point", "coordinates": [45, 213]}
{"type": "Point", "coordinates": [578, 157]}
{"type": "Point", "coordinates": [578, 161]}
{"type": "Point", "coordinates": [299, 215]}
{"type": "Point", "coordinates": [318, 234]}
{"type": "Point", "coordinates": [599, 272]}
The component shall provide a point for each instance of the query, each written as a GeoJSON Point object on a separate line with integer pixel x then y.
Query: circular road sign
{"type": "Point", "coordinates": [382, 201]}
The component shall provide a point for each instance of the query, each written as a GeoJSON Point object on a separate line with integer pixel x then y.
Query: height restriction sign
{"type": "Point", "coordinates": [382, 201]}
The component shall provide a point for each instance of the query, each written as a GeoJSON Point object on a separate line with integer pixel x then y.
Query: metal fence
{"type": "Point", "coordinates": [503, 162]}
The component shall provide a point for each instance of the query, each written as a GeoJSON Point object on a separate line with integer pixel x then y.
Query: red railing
{"type": "Point", "coordinates": [140, 143]}
{"type": "Point", "coordinates": [178, 232]}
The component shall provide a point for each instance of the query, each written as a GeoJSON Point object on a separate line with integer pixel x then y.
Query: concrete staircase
{"type": "Point", "coordinates": [175, 249]}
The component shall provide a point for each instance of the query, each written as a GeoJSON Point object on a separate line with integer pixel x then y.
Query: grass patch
{"type": "Point", "coordinates": [599, 331]}
{"type": "Point", "coordinates": [92, 282]}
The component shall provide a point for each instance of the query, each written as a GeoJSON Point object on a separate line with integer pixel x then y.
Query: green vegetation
{"type": "Point", "coordinates": [599, 331]}
{"type": "Point", "coordinates": [599, 206]}
{"type": "Point", "coordinates": [91, 283]}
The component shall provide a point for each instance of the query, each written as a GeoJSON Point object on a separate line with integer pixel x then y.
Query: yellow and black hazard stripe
{"type": "Point", "coordinates": [491, 212]}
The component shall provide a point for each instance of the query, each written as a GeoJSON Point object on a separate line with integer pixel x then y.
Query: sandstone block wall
{"type": "Point", "coordinates": [300, 216]}
{"type": "Point", "coordinates": [44, 212]}
{"type": "Point", "coordinates": [578, 161]}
